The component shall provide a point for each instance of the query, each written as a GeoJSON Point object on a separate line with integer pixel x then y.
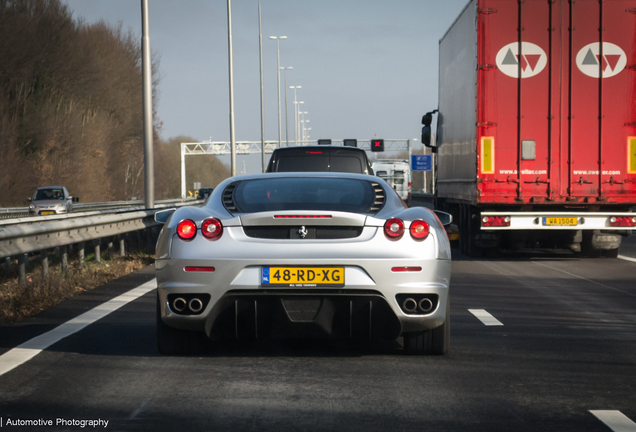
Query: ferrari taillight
{"type": "Point", "coordinates": [394, 228]}
{"type": "Point", "coordinates": [186, 230]}
{"type": "Point", "coordinates": [419, 229]}
{"type": "Point", "coordinates": [212, 228]}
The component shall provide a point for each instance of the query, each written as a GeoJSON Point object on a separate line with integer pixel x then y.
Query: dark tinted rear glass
{"type": "Point", "coordinates": [329, 194]}
{"type": "Point", "coordinates": [303, 163]}
{"type": "Point", "coordinates": [345, 164]}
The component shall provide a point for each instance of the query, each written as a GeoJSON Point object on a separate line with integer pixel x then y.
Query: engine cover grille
{"type": "Point", "coordinates": [305, 232]}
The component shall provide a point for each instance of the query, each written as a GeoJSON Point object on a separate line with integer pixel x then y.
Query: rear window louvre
{"type": "Point", "coordinates": [228, 198]}
{"type": "Point", "coordinates": [312, 232]}
{"type": "Point", "coordinates": [379, 199]}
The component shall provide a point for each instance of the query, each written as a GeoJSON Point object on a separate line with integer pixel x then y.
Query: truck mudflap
{"type": "Point", "coordinates": [491, 221]}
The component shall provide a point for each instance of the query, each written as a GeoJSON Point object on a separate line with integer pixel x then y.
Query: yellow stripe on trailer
{"type": "Point", "coordinates": [631, 155]}
{"type": "Point", "coordinates": [487, 155]}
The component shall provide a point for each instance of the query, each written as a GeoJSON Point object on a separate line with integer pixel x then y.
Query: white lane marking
{"type": "Point", "coordinates": [586, 279]}
{"type": "Point", "coordinates": [29, 349]}
{"type": "Point", "coordinates": [626, 258]}
{"type": "Point", "coordinates": [615, 420]}
{"type": "Point", "coordinates": [485, 317]}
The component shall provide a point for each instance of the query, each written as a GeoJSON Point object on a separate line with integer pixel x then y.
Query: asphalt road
{"type": "Point", "coordinates": [566, 347]}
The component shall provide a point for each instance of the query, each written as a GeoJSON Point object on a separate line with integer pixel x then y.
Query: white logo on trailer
{"type": "Point", "coordinates": [533, 59]}
{"type": "Point", "coordinates": [589, 57]}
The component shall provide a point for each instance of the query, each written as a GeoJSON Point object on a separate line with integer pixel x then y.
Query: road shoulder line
{"type": "Point", "coordinates": [615, 420]}
{"type": "Point", "coordinates": [29, 349]}
{"type": "Point", "coordinates": [626, 258]}
{"type": "Point", "coordinates": [485, 317]}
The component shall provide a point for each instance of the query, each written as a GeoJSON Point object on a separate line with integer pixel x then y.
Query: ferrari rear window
{"type": "Point", "coordinates": [291, 193]}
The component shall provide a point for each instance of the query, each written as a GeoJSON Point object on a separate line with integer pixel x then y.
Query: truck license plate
{"type": "Point", "coordinates": [560, 221]}
{"type": "Point", "coordinates": [302, 276]}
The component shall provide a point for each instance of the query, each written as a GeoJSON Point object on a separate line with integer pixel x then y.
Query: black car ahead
{"type": "Point", "coordinates": [204, 192]}
{"type": "Point", "coordinates": [320, 158]}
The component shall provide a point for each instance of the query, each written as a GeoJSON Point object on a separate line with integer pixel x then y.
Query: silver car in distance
{"type": "Point", "coordinates": [303, 255]}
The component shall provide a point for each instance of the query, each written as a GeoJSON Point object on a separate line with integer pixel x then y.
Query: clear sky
{"type": "Point", "coordinates": [367, 67]}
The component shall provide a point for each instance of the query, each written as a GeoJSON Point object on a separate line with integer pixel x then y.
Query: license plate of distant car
{"type": "Point", "coordinates": [302, 276]}
{"type": "Point", "coordinates": [560, 221]}
{"type": "Point", "coordinates": [44, 213]}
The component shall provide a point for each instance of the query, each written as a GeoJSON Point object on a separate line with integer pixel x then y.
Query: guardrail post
{"type": "Point", "coordinates": [80, 252]}
{"type": "Point", "coordinates": [44, 254]}
{"type": "Point", "coordinates": [22, 260]}
{"type": "Point", "coordinates": [98, 257]}
{"type": "Point", "coordinates": [64, 251]}
{"type": "Point", "coordinates": [122, 246]}
{"type": "Point", "coordinates": [110, 249]}
{"type": "Point", "coordinates": [149, 238]}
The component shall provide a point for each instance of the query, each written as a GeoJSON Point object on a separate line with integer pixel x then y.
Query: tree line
{"type": "Point", "coordinates": [71, 110]}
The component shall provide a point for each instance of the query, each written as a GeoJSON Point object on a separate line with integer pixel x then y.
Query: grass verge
{"type": "Point", "coordinates": [19, 302]}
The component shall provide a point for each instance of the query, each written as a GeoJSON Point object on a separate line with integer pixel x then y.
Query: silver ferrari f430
{"type": "Point", "coordinates": [303, 255]}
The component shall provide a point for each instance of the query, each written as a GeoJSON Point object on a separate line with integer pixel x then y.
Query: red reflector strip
{"type": "Point", "coordinates": [314, 152]}
{"type": "Point", "coordinates": [623, 221]}
{"type": "Point", "coordinates": [406, 269]}
{"type": "Point", "coordinates": [199, 269]}
{"type": "Point", "coordinates": [302, 216]}
{"type": "Point", "coordinates": [495, 221]}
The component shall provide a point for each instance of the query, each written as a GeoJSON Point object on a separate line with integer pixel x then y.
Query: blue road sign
{"type": "Point", "coordinates": [422, 162]}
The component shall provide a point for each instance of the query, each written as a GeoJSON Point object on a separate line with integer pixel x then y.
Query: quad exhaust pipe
{"type": "Point", "coordinates": [179, 304]}
{"type": "Point", "coordinates": [426, 305]}
{"type": "Point", "coordinates": [409, 305]}
{"type": "Point", "coordinates": [417, 304]}
{"type": "Point", "coordinates": [188, 304]}
{"type": "Point", "coordinates": [195, 305]}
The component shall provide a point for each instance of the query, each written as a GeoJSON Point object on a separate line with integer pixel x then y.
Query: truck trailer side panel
{"type": "Point", "coordinates": [457, 117]}
{"type": "Point", "coordinates": [537, 123]}
{"type": "Point", "coordinates": [560, 134]}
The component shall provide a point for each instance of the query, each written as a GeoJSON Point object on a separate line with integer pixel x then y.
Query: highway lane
{"type": "Point", "coordinates": [566, 346]}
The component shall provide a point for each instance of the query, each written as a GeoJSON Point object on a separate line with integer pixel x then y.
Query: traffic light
{"type": "Point", "coordinates": [377, 145]}
{"type": "Point", "coordinates": [324, 142]}
{"type": "Point", "coordinates": [350, 143]}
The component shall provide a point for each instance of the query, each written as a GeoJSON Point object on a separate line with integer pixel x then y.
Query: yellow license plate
{"type": "Point", "coordinates": [560, 221]}
{"type": "Point", "coordinates": [44, 213]}
{"type": "Point", "coordinates": [302, 276]}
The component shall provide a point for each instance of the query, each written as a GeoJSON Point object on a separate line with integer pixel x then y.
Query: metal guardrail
{"type": "Point", "coordinates": [21, 212]}
{"type": "Point", "coordinates": [46, 232]}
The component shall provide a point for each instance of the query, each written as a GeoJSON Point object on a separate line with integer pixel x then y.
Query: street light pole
{"type": "Point", "coordinates": [303, 121]}
{"type": "Point", "coordinates": [231, 73]}
{"type": "Point", "coordinates": [295, 114]}
{"type": "Point", "coordinates": [286, 115]}
{"type": "Point", "coordinates": [278, 38]}
{"type": "Point", "coordinates": [260, 47]}
{"type": "Point", "coordinates": [146, 66]}
{"type": "Point", "coordinates": [298, 119]}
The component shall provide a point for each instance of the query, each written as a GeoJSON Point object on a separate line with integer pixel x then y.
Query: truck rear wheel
{"type": "Point", "coordinates": [469, 232]}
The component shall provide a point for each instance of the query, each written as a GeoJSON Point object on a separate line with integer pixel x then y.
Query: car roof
{"type": "Point", "coordinates": [318, 147]}
{"type": "Point", "coordinates": [50, 187]}
{"type": "Point", "coordinates": [317, 174]}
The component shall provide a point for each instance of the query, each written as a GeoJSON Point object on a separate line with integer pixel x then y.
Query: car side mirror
{"type": "Point", "coordinates": [444, 218]}
{"type": "Point", "coordinates": [70, 197]}
{"type": "Point", "coordinates": [29, 199]}
{"type": "Point", "coordinates": [163, 215]}
{"type": "Point", "coordinates": [426, 136]}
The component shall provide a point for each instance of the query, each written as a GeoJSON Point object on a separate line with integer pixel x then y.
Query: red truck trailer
{"type": "Point", "coordinates": [536, 129]}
